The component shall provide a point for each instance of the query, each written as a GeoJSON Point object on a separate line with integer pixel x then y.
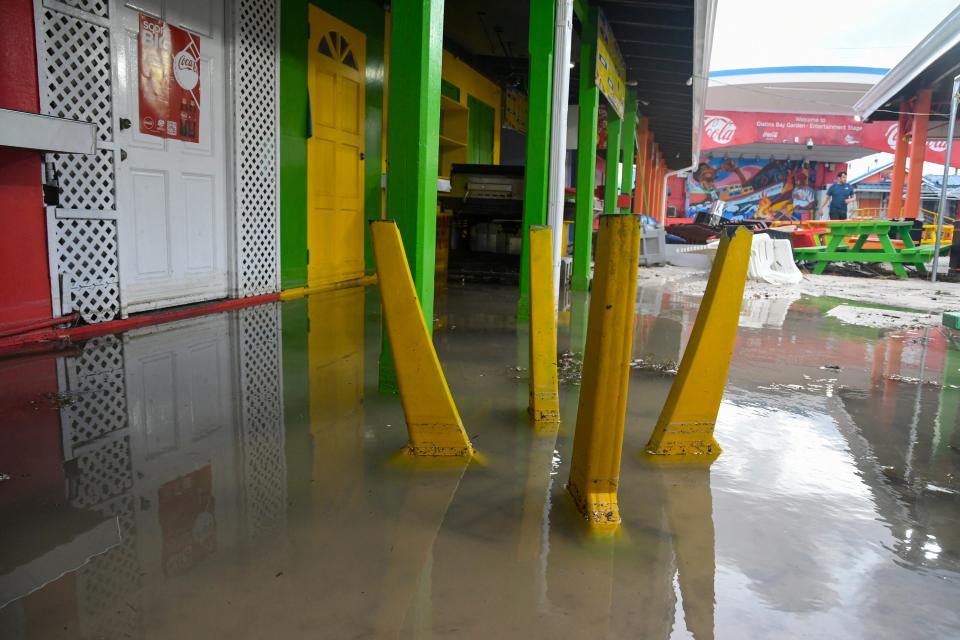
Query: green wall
{"type": "Point", "coordinates": [368, 17]}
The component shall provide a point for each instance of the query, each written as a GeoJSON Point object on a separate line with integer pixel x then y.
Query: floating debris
{"type": "Point", "coordinates": [4, 477]}
{"type": "Point", "coordinates": [893, 377]}
{"type": "Point", "coordinates": [663, 366]}
{"type": "Point", "coordinates": [59, 400]}
{"type": "Point", "coordinates": [569, 368]}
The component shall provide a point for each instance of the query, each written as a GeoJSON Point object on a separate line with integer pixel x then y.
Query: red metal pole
{"type": "Point", "coordinates": [918, 146]}
{"type": "Point", "coordinates": [899, 164]}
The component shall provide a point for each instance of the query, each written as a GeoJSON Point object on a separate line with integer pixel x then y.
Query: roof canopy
{"type": "Point", "coordinates": [931, 64]}
{"type": "Point", "coordinates": [665, 44]}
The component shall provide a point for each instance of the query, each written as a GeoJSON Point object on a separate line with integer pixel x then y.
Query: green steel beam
{"type": "Point", "coordinates": [610, 191]}
{"type": "Point", "coordinates": [536, 179]}
{"type": "Point", "coordinates": [589, 101]}
{"type": "Point", "coordinates": [413, 138]}
{"type": "Point", "coordinates": [629, 143]}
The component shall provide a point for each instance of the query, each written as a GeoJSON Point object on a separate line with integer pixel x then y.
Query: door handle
{"type": "Point", "coordinates": [125, 123]}
{"type": "Point", "coordinates": [123, 155]}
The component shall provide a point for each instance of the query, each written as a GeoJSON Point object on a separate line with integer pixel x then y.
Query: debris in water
{"type": "Point", "coordinates": [893, 377]}
{"type": "Point", "coordinates": [569, 368]}
{"type": "Point", "coordinates": [663, 366]}
{"type": "Point", "coordinates": [4, 477]}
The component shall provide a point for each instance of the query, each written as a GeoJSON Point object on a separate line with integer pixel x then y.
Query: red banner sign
{"type": "Point", "coordinates": [169, 81]}
{"type": "Point", "coordinates": [728, 128]}
{"type": "Point", "coordinates": [725, 129]}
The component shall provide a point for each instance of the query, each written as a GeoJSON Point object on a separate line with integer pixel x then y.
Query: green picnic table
{"type": "Point", "coordinates": [836, 249]}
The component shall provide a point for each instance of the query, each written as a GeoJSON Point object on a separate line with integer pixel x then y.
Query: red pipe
{"type": "Point", "coordinates": [17, 342]}
{"type": "Point", "coordinates": [40, 324]}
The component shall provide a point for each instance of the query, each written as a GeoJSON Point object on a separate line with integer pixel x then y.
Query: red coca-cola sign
{"type": "Point", "coordinates": [720, 129]}
{"type": "Point", "coordinates": [169, 81]}
{"type": "Point", "coordinates": [726, 129]}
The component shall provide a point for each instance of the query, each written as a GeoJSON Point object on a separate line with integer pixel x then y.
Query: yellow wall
{"type": "Point", "coordinates": [457, 72]}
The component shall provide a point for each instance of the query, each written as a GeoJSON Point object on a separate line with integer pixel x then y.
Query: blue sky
{"type": "Point", "coordinates": [872, 33]}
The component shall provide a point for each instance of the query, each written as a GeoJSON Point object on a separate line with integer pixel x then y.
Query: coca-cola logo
{"type": "Point", "coordinates": [720, 129]}
{"type": "Point", "coordinates": [891, 134]}
{"type": "Point", "coordinates": [186, 70]}
{"type": "Point", "coordinates": [937, 146]}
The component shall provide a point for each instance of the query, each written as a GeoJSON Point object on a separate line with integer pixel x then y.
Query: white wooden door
{"type": "Point", "coordinates": [172, 195]}
{"type": "Point", "coordinates": [182, 395]}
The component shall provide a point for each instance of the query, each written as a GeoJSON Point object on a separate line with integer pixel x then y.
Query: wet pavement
{"type": "Point", "coordinates": [230, 476]}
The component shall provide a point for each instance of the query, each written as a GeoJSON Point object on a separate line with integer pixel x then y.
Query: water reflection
{"type": "Point", "coordinates": [172, 435]}
{"type": "Point", "coordinates": [228, 476]}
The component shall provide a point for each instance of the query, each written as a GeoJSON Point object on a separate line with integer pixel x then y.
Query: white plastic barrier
{"type": "Point", "coordinates": [772, 261]}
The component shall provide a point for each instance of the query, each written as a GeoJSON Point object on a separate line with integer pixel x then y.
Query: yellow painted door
{"type": "Point", "coordinates": [335, 78]}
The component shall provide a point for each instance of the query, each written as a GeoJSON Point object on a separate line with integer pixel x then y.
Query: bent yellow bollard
{"type": "Point", "coordinates": [685, 426]}
{"type": "Point", "coordinates": [598, 442]}
{"type": "Point", "coordinates": [544, 390]}
{"type": "Point", "coordinates": [433, 423]}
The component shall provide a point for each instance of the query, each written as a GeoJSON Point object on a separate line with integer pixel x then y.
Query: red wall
{"type": "Point", "coordinates": [25, 287]}
{"type": "Point", "coordinates": [677, 194]}
{"type": "Point", "coordinates": [30, 447]}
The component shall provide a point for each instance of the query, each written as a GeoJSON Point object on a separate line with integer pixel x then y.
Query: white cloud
{"type": "Point", "coordinates": [869, 33]}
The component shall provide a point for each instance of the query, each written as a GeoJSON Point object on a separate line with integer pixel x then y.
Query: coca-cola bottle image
{"type": "Point", "coordinates": [184, 115]}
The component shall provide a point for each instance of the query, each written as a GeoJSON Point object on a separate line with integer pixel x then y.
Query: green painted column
{"type": "Point", "coordinates": [413, 137]}
{"type": "Point", "coordinates": [413, 140]}
{"type": "Point", "coordinates": [589, 105]}
{"type": "Point", "coordinates": [610, 191]}
{"type": "Point", "coordinates": [629, 143]}
{"type": "Point", "coordinates": [540, 107]}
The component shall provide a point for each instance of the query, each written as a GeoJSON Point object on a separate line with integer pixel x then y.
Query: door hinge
{"type": "Point", "coordinates": [308, 256]}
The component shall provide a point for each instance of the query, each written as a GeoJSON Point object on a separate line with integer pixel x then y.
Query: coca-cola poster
{"type": "Point", "coordinates": [169, 81]}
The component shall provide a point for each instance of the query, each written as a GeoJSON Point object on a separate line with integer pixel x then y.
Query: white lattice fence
{"type": "Point", "coordinates": [256, 115]}
{"type": "Point", "coordinates": [74, 56]}
{"type": "Point", "coordinates": [96, 445]}
{"type": "Point", "coordinates": [265, 469]}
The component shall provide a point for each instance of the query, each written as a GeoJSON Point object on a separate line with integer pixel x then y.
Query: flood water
{"type": "Point", "coordinates": [230, 476]}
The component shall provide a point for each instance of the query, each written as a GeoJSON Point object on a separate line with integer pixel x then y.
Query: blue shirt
{"type": "Point", "coordinates": [838, 194]}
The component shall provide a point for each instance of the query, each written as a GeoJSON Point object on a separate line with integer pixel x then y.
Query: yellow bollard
{"type": "Point", "coordinates": [544, 390]}
{"type": "Point", "coordinates": [685, 426]}
{"type": "Point", "coordinates": [433, 423]}
{"type": "Point", "coordinates": [598, 442]}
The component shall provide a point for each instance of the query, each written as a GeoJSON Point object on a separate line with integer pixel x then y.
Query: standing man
{"type": "Point", "coordinates": [839, 195]}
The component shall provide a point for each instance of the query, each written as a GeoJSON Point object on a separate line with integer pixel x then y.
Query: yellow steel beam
{"type": "Point", "coordinates": [685, 426]}
{"type": "Point", "coordinates": [544, 391]}
{"type": "Point", "coordinates": [598, 442]}
{"type": "Point", "coordinates": [433, 423]}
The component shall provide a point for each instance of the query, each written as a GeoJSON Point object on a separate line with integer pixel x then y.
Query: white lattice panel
{"type": "Point", "coordinates": [100, 8]}
{"type": "Point", "coordinates": [262, 419]}
{"type": "Point", "coordinates": [110, 581]}
{"type": "Point", "coordinates": [256, 117]}
{"type": "Point", "coordinates": [86, 182]}
{"type": "Point", "coordinates": [87, 261]}
{"type": "Point", "coordinates": [96, 401]}
{"type": "Point", "coordinates": [103, 469]}
{"type": "Point", "coordinates": [74, 59]}
{"type": "Point", "coordinates": [75, 62]}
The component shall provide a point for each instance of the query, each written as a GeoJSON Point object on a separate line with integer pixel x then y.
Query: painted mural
{"type": "Point", "coordinates": [756, 189]}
